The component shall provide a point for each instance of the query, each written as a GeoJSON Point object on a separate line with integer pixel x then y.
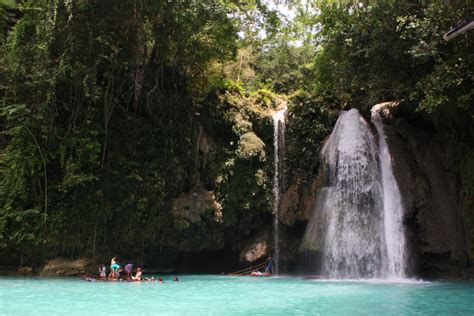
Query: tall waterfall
{"type": "Point", "coordinates": [361, 207]}
{"type": "Point", "coordinates": [278, 147]}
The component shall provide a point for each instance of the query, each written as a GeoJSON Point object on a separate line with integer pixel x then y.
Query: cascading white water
{"type": "Point", "coordinates": [360, 209]}
{"type": "Point", "coordinates": [278, 147]}
{"type": "Point", "coordinates": [392, 205]}
{"type": "Point", "coordinates": [353, 243]}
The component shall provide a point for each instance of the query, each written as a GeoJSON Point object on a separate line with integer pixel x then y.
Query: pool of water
{"type": "Point", "coordinates": [223, 295]}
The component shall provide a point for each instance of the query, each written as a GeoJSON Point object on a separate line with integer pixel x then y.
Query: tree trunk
{"type": "Point", "coordinates": [94, 239]}
{"type": "Point", "coordinates": [143, 250]}
{"type": "Point", "coordinates": [194, 168]}
{"type": "Point", "coordinates": [21, 256]}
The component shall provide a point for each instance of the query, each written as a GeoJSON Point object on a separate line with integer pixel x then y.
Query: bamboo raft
{"type": "Point", "coordinates": [252, 271]}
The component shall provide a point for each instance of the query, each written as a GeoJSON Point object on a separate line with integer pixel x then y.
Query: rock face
{"type": "Point", "coordinates": [190, 208]}
{"type": "Point", "coordinates": [257, 248]}
{"type": "Point", "coordinates": [425, 169]}
{"type": "Point", "coordinates": [197, 222]}
{"type": "Point", "coordinates": [298, 202]}
{"type": "Point", "coordinates": [60, 267]}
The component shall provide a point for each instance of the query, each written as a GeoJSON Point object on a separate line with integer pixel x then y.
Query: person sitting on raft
{"type": "Point", "coordinates": [102, 272]}
{"type": "Point", "coordinates": [128, 271]}
{"type": "Point", "coordinates": [256, 273]}
{"type": "Point", "coordinates": [138, 275]}
{"type": "Point", "coordinates": [114, 266]}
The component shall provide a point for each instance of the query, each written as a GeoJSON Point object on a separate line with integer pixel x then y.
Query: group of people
{"type": "Point", "coordinates": [116, 269]}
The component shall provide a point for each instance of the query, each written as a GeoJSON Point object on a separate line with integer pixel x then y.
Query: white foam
{"type": "Point", "coordinates": [392, 205]}
{"type": "Point", "coordinates": [362, 208]}
{"type": "Point", "coordinates": [377, 281]}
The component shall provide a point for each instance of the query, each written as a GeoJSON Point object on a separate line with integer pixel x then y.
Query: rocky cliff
{"type": "Point", "coordinates": [425, 167]}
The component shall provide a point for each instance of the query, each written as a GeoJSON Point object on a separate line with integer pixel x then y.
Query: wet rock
{"type": "Point", "coordinates": [310, 195]}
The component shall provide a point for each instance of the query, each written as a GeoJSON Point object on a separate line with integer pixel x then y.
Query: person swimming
{"type": "Point", "coordinates": [89, 279]}
{"type": "Point", "coordinates": [175, 279]}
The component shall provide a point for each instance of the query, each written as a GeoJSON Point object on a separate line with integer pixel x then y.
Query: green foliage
{"type": "Point", "coordinates": [449, 65]}
{"type": "Point", "coordinates": [21, 172]}
{"type": "Point", "coordinates": [242, 130]}
{"type": "Point", "coordinates": [250, 145]}
{"type": "Point", "coordinates": [98, 119]}
{"type": "Point", "coordinates": [310, 121]}
{"type": "Point", "coordinates": [6, 15]}
{"type": "Point", "coordinates": [379, 51]}
{"type": "Point", "coordinates": [285, 68]}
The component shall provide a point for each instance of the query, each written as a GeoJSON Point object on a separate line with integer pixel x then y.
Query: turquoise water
{"type": "Point", "coordinates": [222, 295]}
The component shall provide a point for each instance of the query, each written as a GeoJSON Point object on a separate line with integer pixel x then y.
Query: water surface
{"type": "Point", "coordinates": [222, 295]}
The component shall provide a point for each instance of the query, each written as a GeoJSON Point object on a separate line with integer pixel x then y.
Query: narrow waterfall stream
{"type": "Point", "coordinates": [392, 205]}
{"type": "Point", "coordinates": [360, 209]}
{"type": "Point", "coordinates": [278, 147]}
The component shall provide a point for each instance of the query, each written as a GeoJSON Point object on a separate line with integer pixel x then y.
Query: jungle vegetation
{"type": "Point", "coordinates": [114, 112]}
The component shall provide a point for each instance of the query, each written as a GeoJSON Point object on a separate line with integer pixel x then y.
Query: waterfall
{"type": "Point", "coordinates": [360, 209]}
{"type": "Point", "coordinates": [354, 234]}
{"type": "Point", "coordinates": [392, 205]}
{"type": "Point", "coordinates": [278, 147]}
